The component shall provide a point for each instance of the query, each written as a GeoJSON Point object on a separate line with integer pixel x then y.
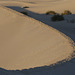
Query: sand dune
{"type": "Point", "coordinates": [42, 6]}
{"type": "Point", "coordinates": [27, 43]}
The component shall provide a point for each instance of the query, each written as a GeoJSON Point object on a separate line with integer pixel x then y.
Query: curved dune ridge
{"type": "Point", "coordinates": [27, 43]}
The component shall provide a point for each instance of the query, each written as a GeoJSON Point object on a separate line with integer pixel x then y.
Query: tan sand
{"type": "Point", "coordinates": [42, 6]}
{"type": "Point", "coordinates": [27, 43]}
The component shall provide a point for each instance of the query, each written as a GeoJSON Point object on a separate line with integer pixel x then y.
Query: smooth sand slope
{"type": "Point", "coordinates": [27, 43]}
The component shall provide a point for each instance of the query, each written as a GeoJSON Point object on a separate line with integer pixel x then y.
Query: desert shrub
{"type": "Point", "coordinates": [25, 7]}
{"type": "Point", "coordinates": [50, 12]}
{"type": "Point", "coordinates": [66, 12]}
{"type": "Point", "coordinates": [24, 12]}
{"type": "Point", "coordinates": [57, 18]}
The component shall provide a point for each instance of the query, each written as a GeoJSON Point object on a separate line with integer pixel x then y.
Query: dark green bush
{"type": "Point", "coordinates": [26, 7]}
{"type": "Point", "coordinates": [57, 18]}
{"type": "Point", "coordinates": [51, 13]}
{"type": "Point", "coordinates": [24, 12]}
{"type": "Point", "coordinates": [66, 12]}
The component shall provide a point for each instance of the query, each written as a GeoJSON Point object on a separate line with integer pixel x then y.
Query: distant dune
{"type": "Point", "coordinates": [42, 6]}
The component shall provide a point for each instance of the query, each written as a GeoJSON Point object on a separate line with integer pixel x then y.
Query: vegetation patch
{"type": "Point", "coordinates": [66, 12]}
{"type": "Point", "coordinates": [51, 13]}
{"type": "Point", "coordinates": [57, 18]}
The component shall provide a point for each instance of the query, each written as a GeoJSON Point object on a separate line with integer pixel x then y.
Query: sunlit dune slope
{"type": "Point", "coordinates": [27, 43]}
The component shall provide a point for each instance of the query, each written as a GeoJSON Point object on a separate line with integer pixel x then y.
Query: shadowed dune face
{"type": "Point", "coordinates": [27, 43]}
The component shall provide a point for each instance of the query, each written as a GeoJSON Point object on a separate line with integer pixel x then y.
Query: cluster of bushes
{"type": "Point", "coordinates": [66, 12]}
{"type": "Point", "coordinates": [24, 12]}
{"type": "Point", "coordinates": [57, 17]}
{"type": "Point", "coordinates": [51, 13]}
